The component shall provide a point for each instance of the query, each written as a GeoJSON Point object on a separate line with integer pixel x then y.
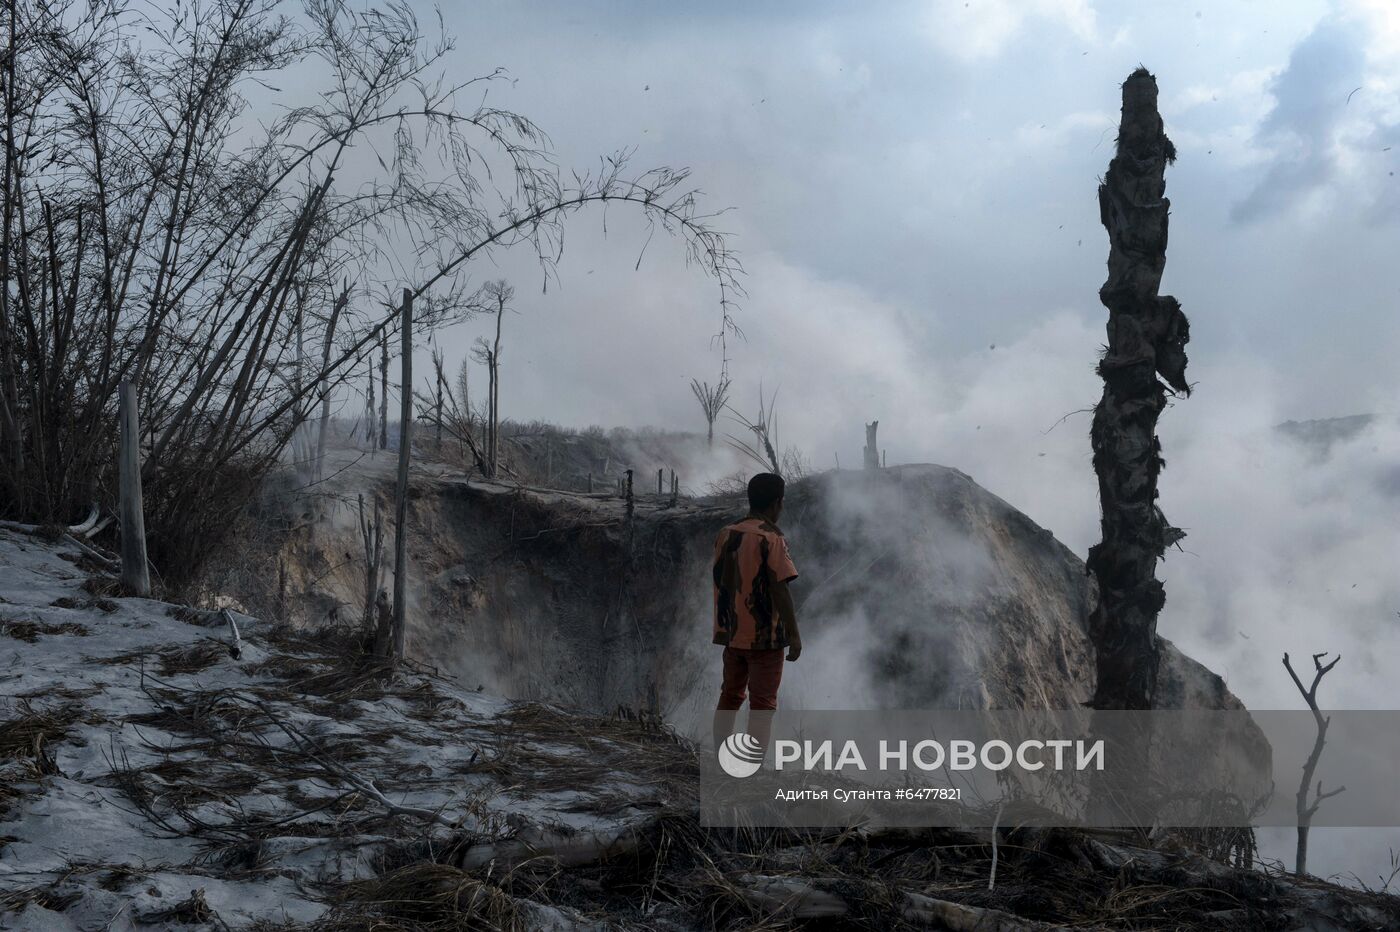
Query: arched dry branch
{"type": "Point", "coordinates": [147, 237]}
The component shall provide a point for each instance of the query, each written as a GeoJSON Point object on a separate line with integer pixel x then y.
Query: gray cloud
{"type": "Point", "coordinates": [1310, 98]}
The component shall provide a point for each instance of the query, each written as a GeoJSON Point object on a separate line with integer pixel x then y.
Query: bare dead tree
{"type": "Point", "coordinates": [495, 296]}
{"type": "Point", "coordinates": [1147, 335]}
{"type": "Point", "coordinates": [764, 428]}
{"type": "Point", "coordinates": [463, 389]}
{"type": "Point", "coordinates": [712, 401]}
{"type": "Point", "coordinates": [1306, 810]}
{"type": "Point", "coordinates": [484, 354]}
{"type": "Point", "coordinates": [454, 419]}
{"type": "Point", "coordinates": [872, 449]}
{"type": "Point", "coordinates": [326, 347]}
{"type": "Point", "coordinates": [438, 383]}
{"type": "Point", "coordinates": [151, 232]}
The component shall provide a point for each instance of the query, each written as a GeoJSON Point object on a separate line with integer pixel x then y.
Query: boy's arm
{"type": "Point", "coordinates": [787, 615]}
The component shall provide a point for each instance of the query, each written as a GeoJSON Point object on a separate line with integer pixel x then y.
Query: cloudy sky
{"type": "Point", "coordinates": [913, 192]}
{"type": "Point", "coordinates": [924, 174]}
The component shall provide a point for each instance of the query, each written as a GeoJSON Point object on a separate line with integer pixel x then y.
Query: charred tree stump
{"type": "Point", "coordinates": [382, 640]}
{"type": "Point", "coordinates": [1147, 335]}
{"type": "Point", "coordinates": [135, 575]}
{"type": "Point", "coordinates": [872, 451]}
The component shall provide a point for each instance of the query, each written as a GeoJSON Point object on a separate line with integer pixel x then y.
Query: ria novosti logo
{"type": "Point", "coordinates": [741, 755]}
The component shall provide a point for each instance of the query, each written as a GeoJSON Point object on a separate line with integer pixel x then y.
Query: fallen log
{"type": "Point", "coordinates": [83, 529]}
{"type": "Point", "coordinates": [66, 535]}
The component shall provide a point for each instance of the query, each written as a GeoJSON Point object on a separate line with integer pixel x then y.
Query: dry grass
{"type": "Point", "coordinates": [46, 896]}
{"type": "Point", "coordinates": [68, 601]}
{"type": "Point", "coordinates": [29, 631]}
{"type": "Point", "coordinates": [423, 897]}
{"type": "Point", "coordinates": [195, 658]}
{"type": "Point", "coordinates": [543, 748]}
{"type": "Point", "coordinates": [25, 738]}
{"type": "Point", "coordinates": [185, 659]}
{"type": "Point", "coordinates": [189, 911]}
{"type": "Point", "coordinates": [100, 585]}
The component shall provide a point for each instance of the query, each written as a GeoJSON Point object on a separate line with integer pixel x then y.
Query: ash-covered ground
{"type": "Point", "coordinates": [154, 780]}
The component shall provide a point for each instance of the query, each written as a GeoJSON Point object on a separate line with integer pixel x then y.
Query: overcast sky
{"type": "Point", "coordinates": [935, 165]}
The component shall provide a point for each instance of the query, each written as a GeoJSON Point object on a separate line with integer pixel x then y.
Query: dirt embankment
{"type": "Point", "coordinates": [918, 588]}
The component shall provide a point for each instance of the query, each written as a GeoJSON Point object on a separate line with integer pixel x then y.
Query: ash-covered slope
{"type": "Point", "coordinates": [149, 779]}
{"type": "Point", "coordinates": [919, 589]}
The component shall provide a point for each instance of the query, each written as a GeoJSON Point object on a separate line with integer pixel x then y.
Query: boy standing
{"type": "Point", "coordinates": [754, 615]}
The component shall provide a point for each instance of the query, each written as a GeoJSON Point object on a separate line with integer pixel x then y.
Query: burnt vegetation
{"type": "Point", "coordinates": [240, 271]}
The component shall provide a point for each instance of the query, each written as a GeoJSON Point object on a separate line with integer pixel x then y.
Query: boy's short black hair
{"type": "Point", "coordinates": [765, 489]}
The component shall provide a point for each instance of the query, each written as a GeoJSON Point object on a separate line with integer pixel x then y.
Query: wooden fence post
{"type": "Point", "coordinates": [135, 575]}
{"type": "Point", "coordinates": [401, 491]}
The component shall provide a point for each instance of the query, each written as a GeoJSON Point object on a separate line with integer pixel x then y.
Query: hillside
{"type": "Point", "coordinates": [151, 779]}
{"type": "Point", "coordinates": [917, 588]}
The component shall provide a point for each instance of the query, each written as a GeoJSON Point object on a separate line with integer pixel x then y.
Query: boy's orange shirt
{"type": "Point", "coordinates": [750, 556]}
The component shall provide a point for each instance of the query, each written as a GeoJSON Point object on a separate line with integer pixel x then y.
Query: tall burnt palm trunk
{"type": "Point", "coordinates": [1147, 335]}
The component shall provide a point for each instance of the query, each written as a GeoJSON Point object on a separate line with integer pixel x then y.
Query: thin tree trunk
{"type": "Point", "coordinates": [491, 415]}
{"type": "Point", "coordinates": [1147, 335]}
{"type": "Point", "coordinates": [370, 410]}
{"type": "Point", "coordinates": [496, 387]}
{"type": "Point", "coordinates": [872, 452]}
{"type": "Point", "coordinates": [135, 575]}
{"type": "Point", "coordinates": [401, 492]}
{"type": "Point", "coordinates": [10, 436]}
{"type": "Point", "coordinates": [437, 371]}
{"type": "Point", "coordinates": [325, 390]}
{"type": "Point", "coordinates": [1305, 809]}
{"type": "Point", "coordinates": [384, 391]}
